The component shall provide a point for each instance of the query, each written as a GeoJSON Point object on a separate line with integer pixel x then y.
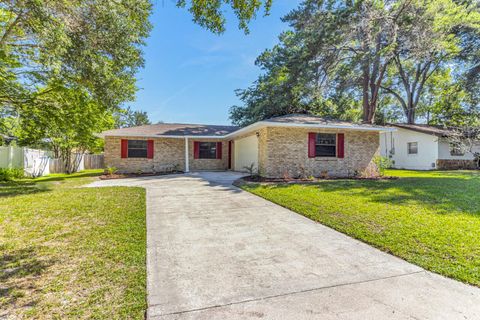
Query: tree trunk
{"type": "Point", "coordinates": [411, 110]}
{"type": "Point", "coordinates": [366, 96]}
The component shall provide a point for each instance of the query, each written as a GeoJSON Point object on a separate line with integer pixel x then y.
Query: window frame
{"type": "Point", "coordinates": [136, 148]}
{"type": "Point", "coordinates": [455, 150]}
{"type": "Point", "coordinates": [409, 148]}
{"type": "Point", "coordinates": [334, 145]}
{"type": "Point", "coordinates": [212, 151]}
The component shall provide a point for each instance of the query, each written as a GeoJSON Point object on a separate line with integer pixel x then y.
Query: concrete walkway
{"type": "Point", "coordinates": [217, 252]}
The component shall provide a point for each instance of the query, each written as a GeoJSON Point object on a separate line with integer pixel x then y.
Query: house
{"type": "Point", "coordinates": [424, 147]}
{"type": "Point", "coordinates": [293, 145]}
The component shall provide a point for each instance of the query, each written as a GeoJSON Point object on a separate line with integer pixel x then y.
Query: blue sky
{"type": "Point", "coordinates": [190, 74]}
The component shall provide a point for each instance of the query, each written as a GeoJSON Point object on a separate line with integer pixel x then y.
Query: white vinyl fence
{"type": "Point", "coordinates": [40, 162]}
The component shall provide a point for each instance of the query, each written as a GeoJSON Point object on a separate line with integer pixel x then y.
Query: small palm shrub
{"type": "Point", "coordinates": [111, 170]}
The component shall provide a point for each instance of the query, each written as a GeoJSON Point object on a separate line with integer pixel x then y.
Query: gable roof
{"type": "Point", "coordinates": [424, 128]}
{"type": "Point", "coordinates": [306, 119]}
{"type": "Point", "coordinates": [173, 129]}
{"type": "Point", "coordinates": [178, 130]}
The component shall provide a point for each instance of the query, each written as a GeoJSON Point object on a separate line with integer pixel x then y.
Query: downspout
{"type": "Point", "coordinates": [187, 169]}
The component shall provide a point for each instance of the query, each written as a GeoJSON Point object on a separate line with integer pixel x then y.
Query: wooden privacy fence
{"type": "Point", "coordinates": [88, 161]}
{"type": "Point", "coordinates": [93, 161]}
{"type": "Point", "coordinates": [56, 166]}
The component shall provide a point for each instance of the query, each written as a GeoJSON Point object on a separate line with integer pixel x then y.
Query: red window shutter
{"type": "Point", "coordinates": [311, 144]}
{"type": "Point", "coordinates": [219, 150]}
{"type": "Point", "coordinates": [150, 149]}
{"type": "Point", "coordinates": [196, 149]}
{"type": "Point", "coordinates": [124, 148]}
{"type": "Point", "coordinates": [340, 145]}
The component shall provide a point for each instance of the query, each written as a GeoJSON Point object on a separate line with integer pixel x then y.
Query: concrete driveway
{"type": "Point", "coordinates": [217, 252]}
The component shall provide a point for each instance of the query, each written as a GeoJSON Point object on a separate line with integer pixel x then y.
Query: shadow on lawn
{"type": "Point", "coordinates": [17, 188]}
{"type": "Point", "coordinates": [18, 269]}
{"type": "Point", "coordinates": [42, 184]}
{"type": "Point", "coordinates": [61, 177]}
{"type": "Point", "coordinates": [445, 195]}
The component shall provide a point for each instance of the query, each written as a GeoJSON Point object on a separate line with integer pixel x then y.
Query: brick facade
{"type": "Point", "coordinates": [208, 164]}
{"type": "Point", "coordinates": [169, 153]}
{"type": "Point", "coordinates": [284, 152]}
{"type": "Point", "coordinates": [454, 164]}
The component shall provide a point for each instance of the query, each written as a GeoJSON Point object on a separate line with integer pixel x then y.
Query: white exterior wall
{"type": "Point", "coordinates": [444, 152]}
{"type": "Point", "coordinates": [427, 149]}
{"type": "Point", "coordinates": [245, 153]}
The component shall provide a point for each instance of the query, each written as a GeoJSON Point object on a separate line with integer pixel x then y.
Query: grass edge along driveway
{"type": "Point", "coordinates": [431, 219]}
{"type": "Point", "coordinates": [70, 252]}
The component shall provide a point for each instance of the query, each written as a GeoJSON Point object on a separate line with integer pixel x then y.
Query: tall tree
{"type": "Point", "coordinates": [337, 51]}
{"type": "Point", "coordinates": [126, 118]}
{"type": "Point", "coordinates": [66, 120]}
{"type": "Point", "coordinates": [360, 51]}
{"type": "Point", "coordinates": [428, 43]}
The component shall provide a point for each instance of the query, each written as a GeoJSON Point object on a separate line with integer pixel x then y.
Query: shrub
{"type": "Point", "coordinates": [250, 169]}
{"type": "Point", "coordinates": [111, 170]}
{"type": "Point", "coordinates": [8, 174]}
{"type": "Point", "coordinates": [382, 164]}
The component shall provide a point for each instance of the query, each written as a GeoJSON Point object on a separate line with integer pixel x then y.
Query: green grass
{"type": "Point", "coordinates": [71, 253]}
{"type": "Point", "coordinates": [431, 219]}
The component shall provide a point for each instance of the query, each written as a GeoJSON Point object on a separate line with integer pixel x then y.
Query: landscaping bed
{"type": "Point", "coordinates": [108, 176]}
{"type": "Point", "coordinates": [68, 252]}
{"type": "Point", "coordinates": [431, 219]}
{"type": "Point", "coordinates": [259, 179]}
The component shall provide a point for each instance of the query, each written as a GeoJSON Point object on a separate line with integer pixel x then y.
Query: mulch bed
{"type": "Point", "coordinates": [135, 175]}
{"type": "Point", "coordinates": [256, 179]}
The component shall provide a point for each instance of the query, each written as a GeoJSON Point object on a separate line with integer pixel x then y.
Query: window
{"type": "Point", "coordinates": [326, 145]}
{"type": "Point", "coordinates": [456, 149]}
{"type": "Point", "coordinates": [137, 148]}
{"type": "Point", "coordinates": [412, 147]}
{"type": "Point", "coordinates": [207, 150]}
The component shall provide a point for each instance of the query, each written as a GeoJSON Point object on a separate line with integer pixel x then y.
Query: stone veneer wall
{"type": "Point", "coordinates": [284, 151]}
{"type": "Point", "coordinates": [168, 153]}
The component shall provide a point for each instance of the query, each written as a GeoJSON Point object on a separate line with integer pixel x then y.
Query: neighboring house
{"type": "Point", "coordinates": [293, 145]}
{"type": "Point", "coordinates": [424, 147]}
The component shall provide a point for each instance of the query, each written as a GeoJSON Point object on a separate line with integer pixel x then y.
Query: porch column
{"type": "Point", "coordinates": [187, 169]}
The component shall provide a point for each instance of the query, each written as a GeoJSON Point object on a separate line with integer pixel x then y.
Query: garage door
{"type": "Point", "coordinates": [245, 153]}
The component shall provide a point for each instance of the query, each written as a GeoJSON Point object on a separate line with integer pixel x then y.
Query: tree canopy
{"type": "Point", "coordinates": [346, 59]}
{"type": "Point", "coordinates": [210, 14]}
{"type": "Point", "coordinates": [125, 118]}
{"type": "Point", "coordinates": [95, 44]}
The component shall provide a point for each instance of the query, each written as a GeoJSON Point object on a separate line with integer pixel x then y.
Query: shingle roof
{"type": "Point", "coordinates": [424, 128]}
{"type": "Point", "coordinates": [180, 130]}
{"type": "Point", "coordinates": [172, 129]}
{"type": "Point", "coordinates": [306, 119]}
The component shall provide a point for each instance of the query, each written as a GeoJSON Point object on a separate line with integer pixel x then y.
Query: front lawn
{"type": "Point", "coordinates": [431, 219]}
{"type": "Point", "coordinates": [71, 253]}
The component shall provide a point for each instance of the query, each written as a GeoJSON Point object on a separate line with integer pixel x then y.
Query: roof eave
{"type": "Point", "coordinates": [256, 126]}
{"type": "Point", "coordinates": [160, 136]}
{"type": "Point", "coordinates": [262, 124]}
